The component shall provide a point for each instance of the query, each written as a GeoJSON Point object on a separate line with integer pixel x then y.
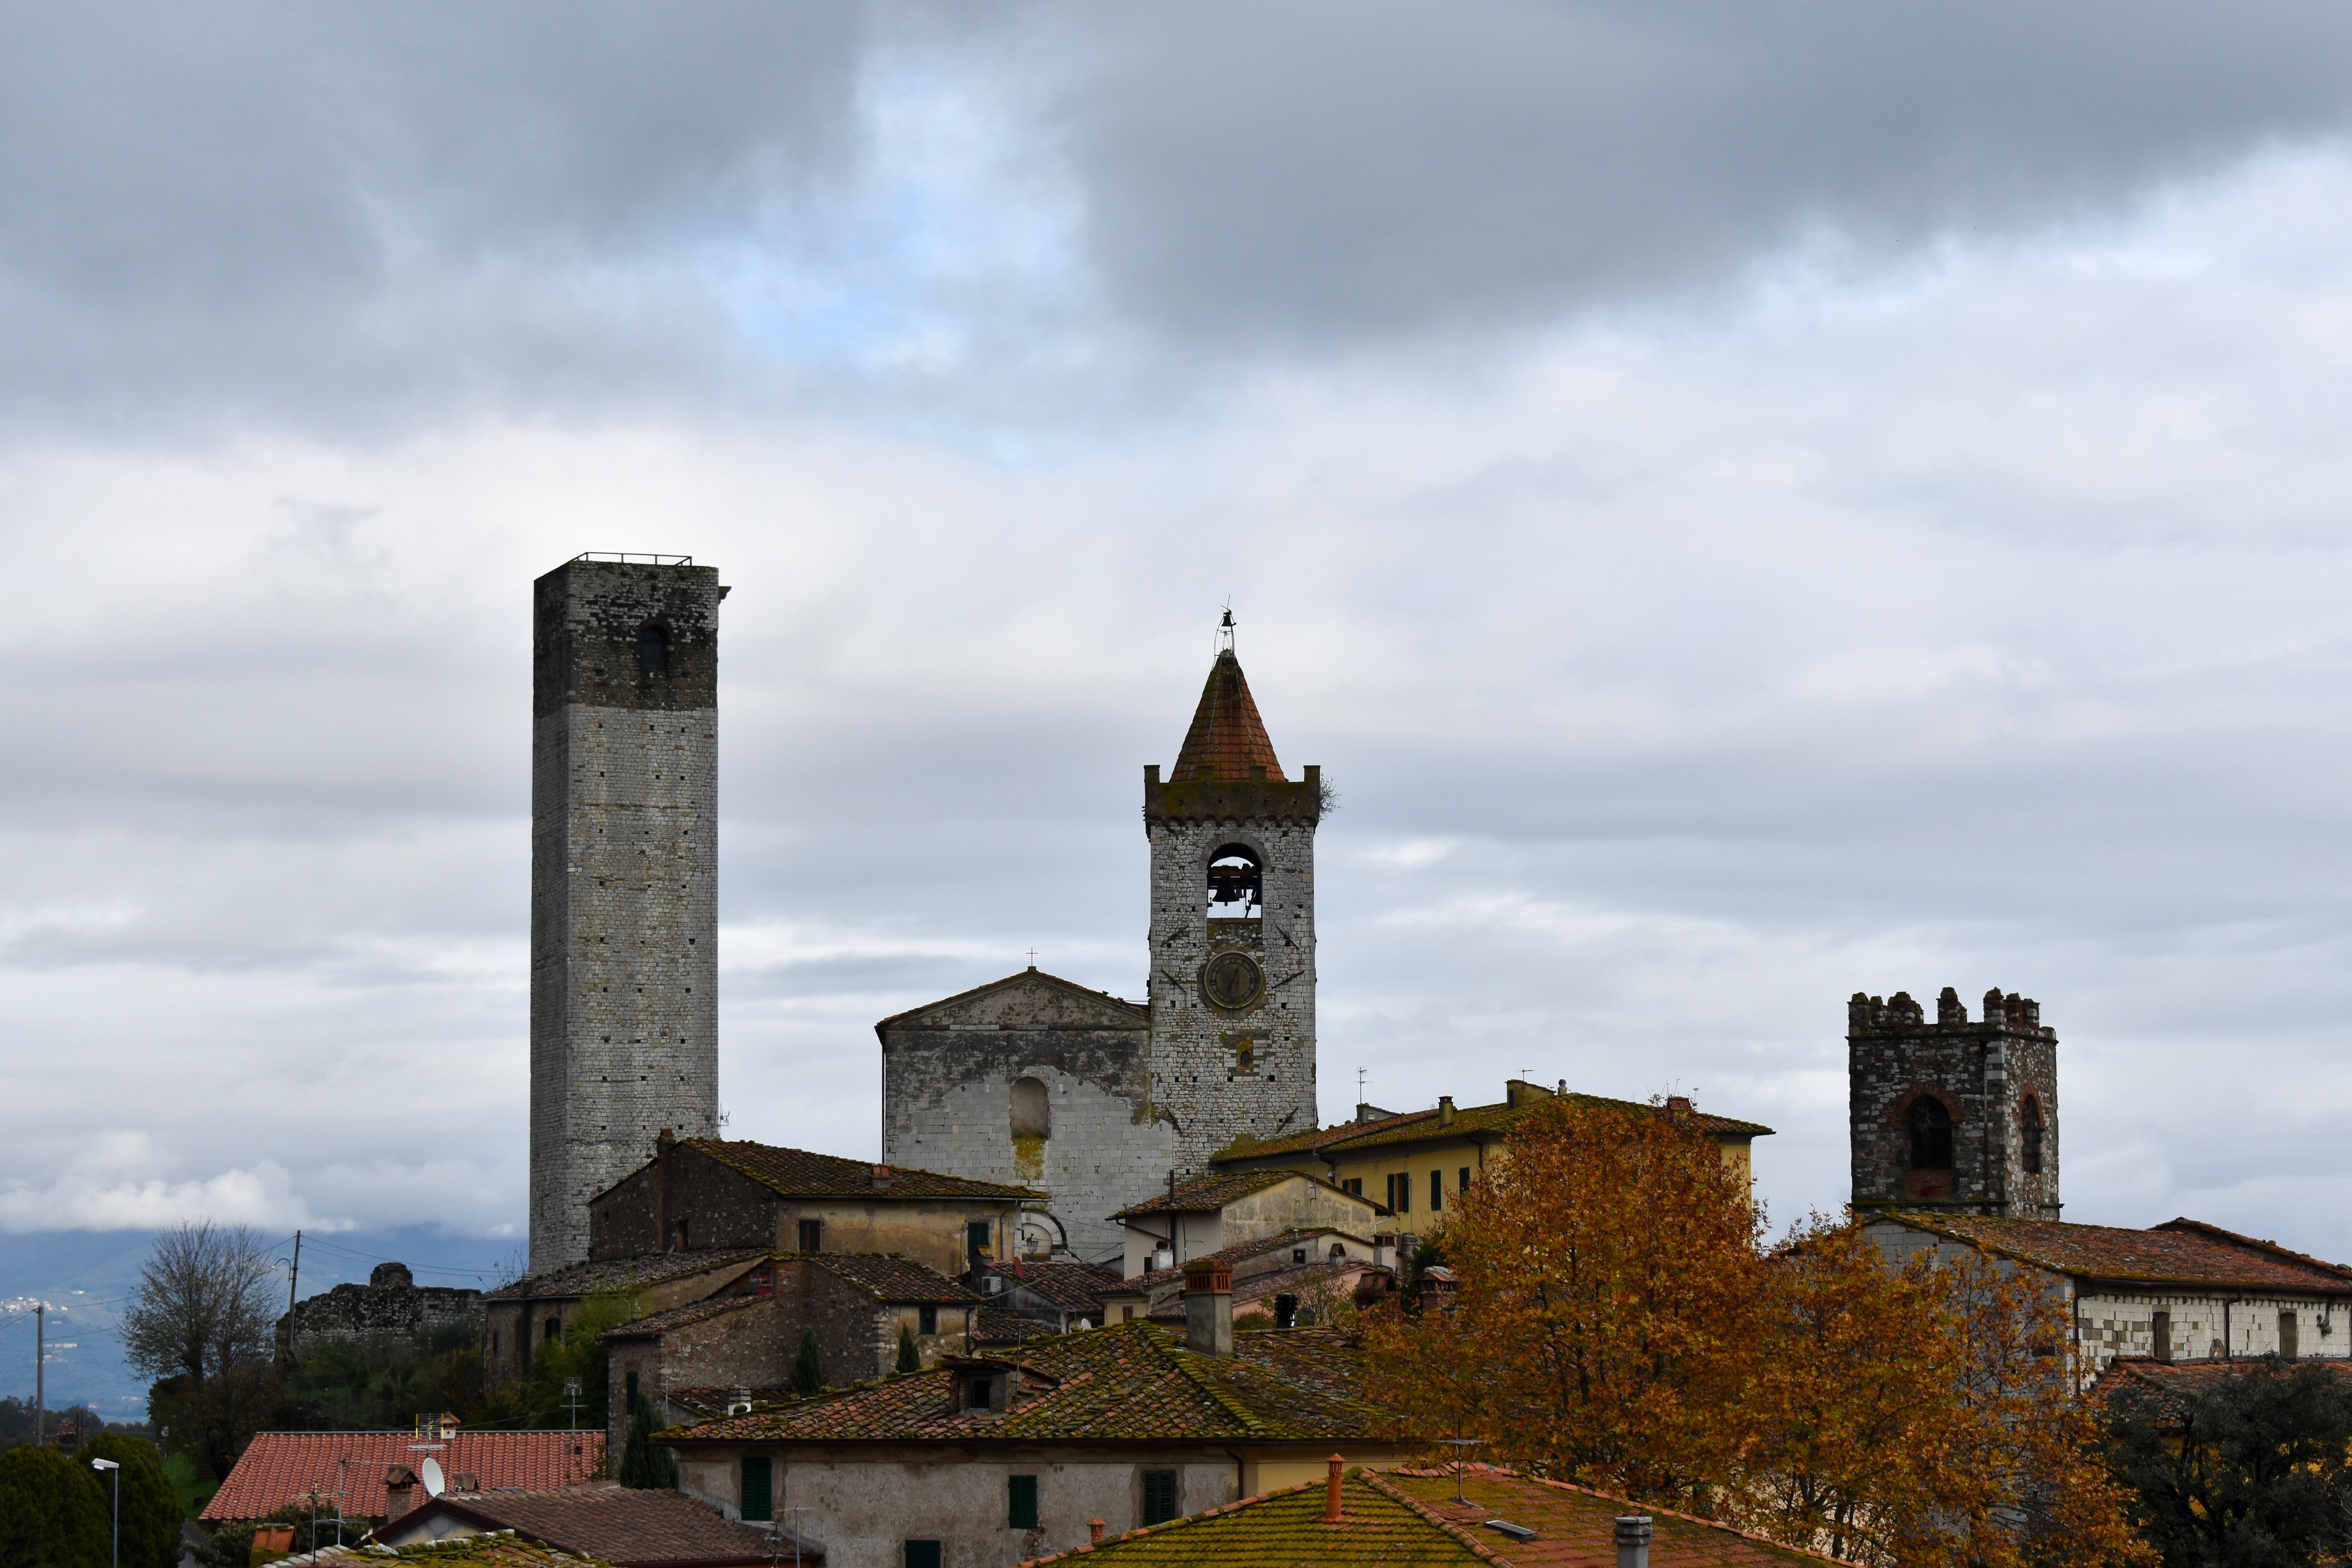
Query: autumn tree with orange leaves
{"type": "Point", "coordinates": [1620, 1325]}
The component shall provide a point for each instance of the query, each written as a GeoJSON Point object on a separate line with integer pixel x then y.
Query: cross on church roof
{"type": "Point", "coordinates": [1033, 958]}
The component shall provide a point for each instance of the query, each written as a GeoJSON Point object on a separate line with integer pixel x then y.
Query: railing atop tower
{"type": "Point", "coordinates": [626, 557]}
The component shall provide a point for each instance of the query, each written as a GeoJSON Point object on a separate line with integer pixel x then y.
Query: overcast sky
{"type": "Point", "coordinates": [1746, 503]}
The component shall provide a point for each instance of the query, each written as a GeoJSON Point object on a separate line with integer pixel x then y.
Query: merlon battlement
{"type": "Point", "coordinates": [2005, 1015]}
{"type": "Point", "coordinates": [1208, 797]}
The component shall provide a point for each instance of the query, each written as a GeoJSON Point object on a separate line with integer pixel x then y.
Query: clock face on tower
{"type": "Point", "coordinates": [1233, 980]}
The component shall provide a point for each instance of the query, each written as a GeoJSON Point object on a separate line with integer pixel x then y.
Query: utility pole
{"type": "Point", "coordinates": [293, 1277]}
{"type": "Point", "coordinates": [40, 1370]}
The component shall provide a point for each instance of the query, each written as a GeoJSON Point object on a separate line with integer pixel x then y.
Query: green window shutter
{"type": "Point", "coordinates": [759, 1501]}
{"type": "Point", "coordinates": [922, 1554]}
{"type": "Point", "coordinates": [927, 1320]}
{"type": "Point", "coordinates": [1159, 1496]}
{"type": "Point", "coordinates": [1023, 1514]}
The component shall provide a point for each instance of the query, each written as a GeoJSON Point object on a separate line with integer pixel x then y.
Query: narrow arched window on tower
{"type": "Point", "coordinates": [1931, 1134]}
{"type": "Point", "coordinates": [1236, 884]}
{"type": "Point", "coordinates": [653, 649]}
{"type": "Point", "coordinates": [1032, 1115]}
{"type": "Point", "coordinates": [2030, 1130]}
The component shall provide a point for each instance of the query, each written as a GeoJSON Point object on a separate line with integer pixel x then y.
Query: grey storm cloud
{"type": "Point", "coordinates": [258, 213]}
{"type": "Point", "coordinates": [1325, 170]}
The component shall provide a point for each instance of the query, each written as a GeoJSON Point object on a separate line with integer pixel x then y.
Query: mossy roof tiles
{"type": "Point", "coordinates": [2181, 1252]}
{"type": "Point", "coordinates": [1576, 1528]}
{"type": "Point", "coordinates": [887, 1279]}
{"type": "Point", "coordinates": [1073, 1286]}
{"type": "Point", "coordinates": [1227, 738]}
{"type": "Point", "coordinates": [1237, 1254]}
{"type": "Point", "coordinates": [1497, 1121]}
{"type": "Point", "coordinates": [1377, 1528]}
{"type": "Point", "coordinates": [803, 1173]}
{"type": "Point", "coordinates": [660, 1323]}
{"type": "Point", "coordinates": [1127, 1381]}
{"type": "Point", "coordinates": [622, 1273]}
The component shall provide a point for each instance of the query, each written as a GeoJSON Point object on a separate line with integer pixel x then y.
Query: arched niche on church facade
{"type": "Point", "coordinates": [1033, 1108]}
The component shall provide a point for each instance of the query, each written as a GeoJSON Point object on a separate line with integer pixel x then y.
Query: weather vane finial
{"type": "Point", "coordinates": [1225, 628]}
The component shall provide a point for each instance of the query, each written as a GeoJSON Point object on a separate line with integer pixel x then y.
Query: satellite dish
{"type": "Point", "coordinates": [431, 1471]}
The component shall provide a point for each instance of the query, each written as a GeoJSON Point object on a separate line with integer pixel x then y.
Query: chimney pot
{"type": "Point", "coordinates": [1445, 1111]}
{"type": "Point", "coordinates": [1332, 1512]}
{"type": "Point", "coordinates": [1678, 1106]}
{"type": "Point", "coordinates": [1208, 1307]}
{"type": "Point", "coordinates": [1632, 1540]}
{"type": "Point", "coordinates": [1094, 1528]}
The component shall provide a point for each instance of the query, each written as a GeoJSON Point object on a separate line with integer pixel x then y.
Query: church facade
{"type": "Point", "coordinates": [1035, 1080]}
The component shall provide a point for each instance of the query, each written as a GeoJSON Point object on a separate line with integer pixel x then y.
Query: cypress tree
{"type": "Point", "coordinates": [808, 1367]}
{"type": "Point", "coordinates": [910, 1358]}
{"type": "Point", "coordinates": [645, 1464]}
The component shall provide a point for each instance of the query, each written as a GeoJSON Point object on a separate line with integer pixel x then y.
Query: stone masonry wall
{"type": "Point", "coordinates": [623, 1004]}
{"type": "Point", "coordinates": [948, 1106]}
{"type": "Point", "coordinates": [1983, 1073]}
{"type": "Point", "coordinates": [391, 1303]}
{"type": "Point", "coordinates": [1201, 1078]}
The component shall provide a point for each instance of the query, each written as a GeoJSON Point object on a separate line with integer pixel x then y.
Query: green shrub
{"type": "Point", "coordinates": [52, 1512]}
{"type": "Point", "coordinates": [150, 1508]}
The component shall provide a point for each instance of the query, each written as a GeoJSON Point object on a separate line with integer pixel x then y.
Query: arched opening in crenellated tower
{"type": "Point", "coordinates": [1236, 884]}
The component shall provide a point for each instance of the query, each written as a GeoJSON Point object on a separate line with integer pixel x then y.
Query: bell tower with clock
{"type": "Point", "coordinates": [1233, 929]}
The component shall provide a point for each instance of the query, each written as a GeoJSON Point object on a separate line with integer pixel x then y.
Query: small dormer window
{"type": "Point", "coordinates": [976, 1395]}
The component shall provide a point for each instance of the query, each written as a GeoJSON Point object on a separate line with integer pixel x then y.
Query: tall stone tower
{"type": "Point", "coordinates": [623, 878]}
{"type": "Point", "coordinates": [1233, 930]}
{"type": "Point", "coordinates": [1953, 1116]}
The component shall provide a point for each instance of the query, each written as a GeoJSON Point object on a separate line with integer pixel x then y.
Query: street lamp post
{"type": "Point", "coordinates": [114, 1474]}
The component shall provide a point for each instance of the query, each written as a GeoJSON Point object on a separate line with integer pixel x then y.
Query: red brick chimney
{"type": "Point", "coordinates": [1094, 1528]}
{"type": "Point", "coordinates": [1331, 1511]}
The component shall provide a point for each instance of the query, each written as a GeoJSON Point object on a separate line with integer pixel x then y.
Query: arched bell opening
{"type": "Point", "coordinates": [1236, 884]}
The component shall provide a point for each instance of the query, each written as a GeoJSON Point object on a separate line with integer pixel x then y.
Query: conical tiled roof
{"type": "Point", "coordinates": [1227, 735]}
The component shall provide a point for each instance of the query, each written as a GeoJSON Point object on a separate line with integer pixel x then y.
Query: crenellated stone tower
{"type": "Point", "coordinates": [1233, 930]}
{"type": "Point", "coordinates": [1953, 1116]}
{"type": "Point", "coordinates": [625, 878]}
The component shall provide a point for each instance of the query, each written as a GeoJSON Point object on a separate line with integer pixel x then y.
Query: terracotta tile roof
{"type": "Point", "coordinates": [1073, 1286]}
{"type": "Point", "coordinates": [1128, 1380]}
{"type": "Point", "coordinates": [710, 1403]}
{"type": "Point", "coordinates": [1260, 1290]}
{"type": "Point", "coordinates": [497, 1552]}
{"type": "Point", "coordinates": [1140, 1011]}
{"type": "Point", "coordinates": [1378, 1528]}
{"type": "Point", "coordinates": [890, 1278]}
{"type": "Point", "coordinates": [2172, 1381]}
{"type": "Point", "coordinates": [1498, 1121]}
{"type": "Point", "coordinates": [621, 1273]}
{"type": "Point", "coordinates": [995, 1327]}
{"type": "Point", "coordinates": [616, 1524]}
{"type": "Point", "coordinates": [2181, 1252]}
{"type": "Point", "coordinates": [692, 1312]}
{"type": "Point", "coordinates": [277, 1466]}
{"type": "Point", "coordinates": [1313, 1140]}
{"type": "Point", "coordinates": [1239, 1253]}
{"type": "Point", "coordinates": [1227, 737]}
{"type": "Point", "coordinates": [796, 1172]}
{"type": "Point", "coordinates": [1576, 1528]}
{"type": "Point", "coordinates": [1203, 1193]}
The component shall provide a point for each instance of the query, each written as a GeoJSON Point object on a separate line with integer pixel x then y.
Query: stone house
{"type": "Point", "coordinates": [529, 1312]}
{"type": "Point", "coordinates": [1288, 1252]}
{"type": "Point", "coordinates": [2183, 1291]}
{"type": "Point", "coordinates": [745, 1338]}
{"type": "Point", "coordinates": [391, 1302]}
{"type": "Point", "coordinates": [984, 1461]}
{"type": "Point", "coordinates": [1212, 1213]}
{"type": "Point", "coordinates": [1057, 1294]}
{"type": "Point", "coordinates": [711, 1192]}
{"type": "Point", "coordinates": [1413, 1164]}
